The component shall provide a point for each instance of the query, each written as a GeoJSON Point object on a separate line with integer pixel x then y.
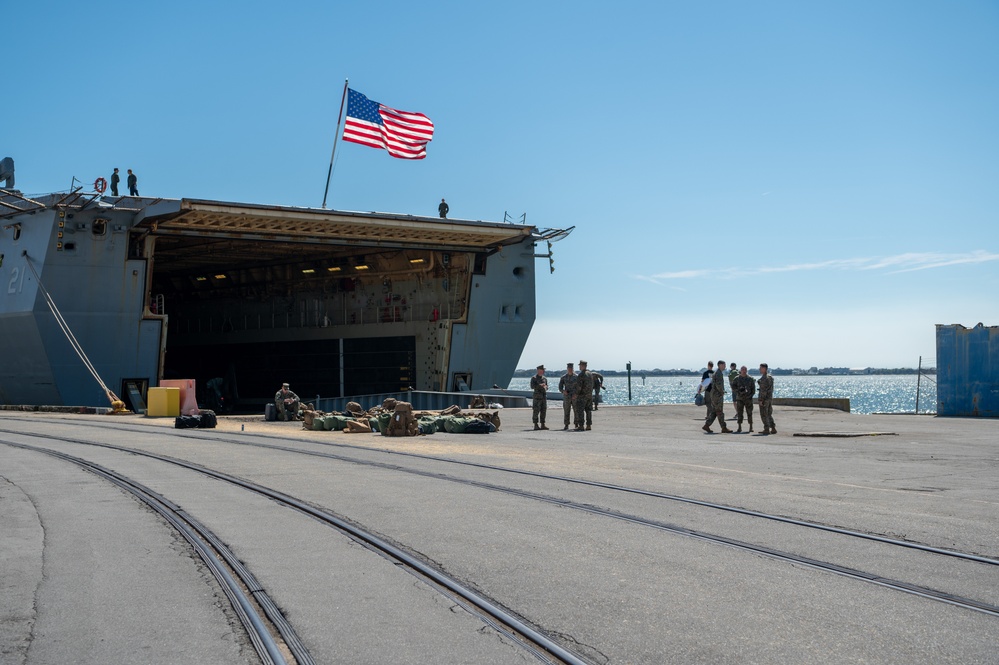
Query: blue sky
{"type": "Point", "coordinates": [784, 182]}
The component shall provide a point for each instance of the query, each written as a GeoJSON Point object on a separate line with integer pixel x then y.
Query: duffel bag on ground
{"type": "Point", "coordinates": [467, 425]}
{"type": "Point", "coordinates": [479, 426]}
{"type": "Point", "coordinates": [383, 421]}
{"type": "Point", "coordinates": [208, 419]}
{"type": "Point", "coordinates": [187, 422]}
{"type": "Point", "coordinates": [336, 422]}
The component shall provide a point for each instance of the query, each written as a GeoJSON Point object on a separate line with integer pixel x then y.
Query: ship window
{"type": "Point", "coordinates": [480, 264]}
{"type": "Point", "coordinates": [518, 273]}
{"type": "Point", "coordinates": [17, 232]}
{"type": "Point", "coordinates": [69, 246]}
{"type": "Point", "coordinates": [100, 227]}
{"type": "Point", "coordinates": [135, 245]}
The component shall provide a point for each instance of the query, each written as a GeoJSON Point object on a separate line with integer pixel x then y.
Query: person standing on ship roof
{"type": "Point", "coordinates": [567, 386]}
{"type": "Point", "coordinates": [133, 184]}
{"type": "Point", "coordinates": [443, 209]}
{"type": "Point", "coordinates": [115, 179]}
{"type": "Point", "coordinates": [539, 405]}
{"type": "Point", "coordinates": [765, 400]}
{"type": "Point", "coordinates": [717, 400]}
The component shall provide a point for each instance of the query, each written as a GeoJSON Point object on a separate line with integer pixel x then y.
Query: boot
{"type": "Point", "coordinates": [773, 430]}
{"type": "Point", "coordinates": [764, 432]}
{"type": "Point", "coordinates": [739, 429]}
{"type": "Point", "coordinates": [750, 425]}
{"type": "Point", "coordinates": [566, 427]}
{"type": "Point", "coordinates": [543, 426]}
{"type": "Point", "coordinates": [536, 427]}
{"type": "Point", "coordinates": [707, 429]}
{"type": "Point", "coordinates": [726, 430]}
{"type": "Point", "coordinates": [587, 428]}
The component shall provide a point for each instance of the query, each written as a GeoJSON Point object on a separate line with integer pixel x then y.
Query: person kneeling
{"type": "Point", "coordinates": [287, 403]}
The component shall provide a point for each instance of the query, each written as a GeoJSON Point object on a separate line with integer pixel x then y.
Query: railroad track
{"type": "Point", "coordinates": [898, 585]}
{"type": "Point", "coordinates": [361, 456]}
{"type": "Point", "coordinates": [543, 647]}
{"type": "Point", "coordinates": [272, 636]}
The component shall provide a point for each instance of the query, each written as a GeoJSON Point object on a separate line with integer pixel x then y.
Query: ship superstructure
{"type": "Point", "coordinates": [250, 296]}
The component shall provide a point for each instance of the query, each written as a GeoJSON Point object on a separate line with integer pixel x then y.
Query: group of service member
{"type": "Point", "coordinates": [743, 386]}
{"type": "Point", "coordinates": [577, 390]}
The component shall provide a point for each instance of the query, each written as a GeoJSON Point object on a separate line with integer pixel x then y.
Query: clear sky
{"type": "Point", "coordinates": [790, 182]}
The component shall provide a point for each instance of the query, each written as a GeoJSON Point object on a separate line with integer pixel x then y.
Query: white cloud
{"type": "Point", "coordinates": [683, 274]}
{"type": "Point", "coordinates": [942, 260]}
{"type": "Point", "coordinates": [900, 262]}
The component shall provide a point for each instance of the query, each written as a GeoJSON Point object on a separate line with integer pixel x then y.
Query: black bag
{"type": "Point", "coordinates": [476, 426]}
{"type": "Point", "coordinates": [186, 422]}
{"type": "Point", "coordinates": [208, 419]}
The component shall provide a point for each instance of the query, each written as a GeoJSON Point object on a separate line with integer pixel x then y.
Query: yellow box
{"type": "Point", "coordinates": [163, 402]}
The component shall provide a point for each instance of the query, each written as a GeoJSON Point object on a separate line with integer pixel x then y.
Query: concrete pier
{"type": "Point", "coordinates": [610, 590]}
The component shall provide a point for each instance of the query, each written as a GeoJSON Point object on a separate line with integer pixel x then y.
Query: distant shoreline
{"type": "Point", "coordinates": [776, 371]}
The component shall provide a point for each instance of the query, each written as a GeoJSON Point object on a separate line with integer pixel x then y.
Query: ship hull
{"type": "Point", "coordinates": [243, 298]}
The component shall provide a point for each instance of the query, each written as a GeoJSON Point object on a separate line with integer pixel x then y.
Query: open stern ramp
{"type": "Point", "coordinates": [337, 302]}
{"type": "Point", "coordinates": [191, 217]}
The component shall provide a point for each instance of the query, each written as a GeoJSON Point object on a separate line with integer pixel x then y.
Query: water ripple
{"type": "Point", "coordinates": [895, 393]}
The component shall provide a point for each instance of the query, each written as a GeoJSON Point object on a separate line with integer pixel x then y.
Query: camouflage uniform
{"type": "Point", "coordinates": [287, 411]}
{"type": "Point", "coordinates": [766, 396]}
{"type": "Point", "coordinates": [717, 397]}
{"type": "Point", "coordinates": [707, 394]}
{"type": "Point", "coordinates": [598, 383]}
{"type": "Point", "coordinates": [583, 401]}
{"type": "Point", "coordinates": [733, 374]}
{"type": "Point", "coordinates": [567, 386]}
{"type": "Point", "coordinates": [539, 405]}
{"type": "Point", "coordinates": [744, 388]}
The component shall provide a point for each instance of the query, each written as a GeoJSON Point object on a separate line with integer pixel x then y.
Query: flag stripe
{"type": "Point", "coordinates": [402, 133]}
{"type": "Point", "coordinates": [359, 131]}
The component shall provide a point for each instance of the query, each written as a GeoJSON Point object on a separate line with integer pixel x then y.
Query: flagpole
{"type": "Point", "coordinates": [335, 137]}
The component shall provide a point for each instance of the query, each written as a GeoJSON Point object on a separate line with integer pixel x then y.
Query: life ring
{"type": "Point", "coordinates": [100, 185]}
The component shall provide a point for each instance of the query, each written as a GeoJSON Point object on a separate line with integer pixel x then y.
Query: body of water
{"type": "Point", "coordinates": [892, 393]}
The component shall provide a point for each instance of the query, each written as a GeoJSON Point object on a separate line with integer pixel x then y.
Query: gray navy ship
{"type": "Point", "coordinates": [114, 293]}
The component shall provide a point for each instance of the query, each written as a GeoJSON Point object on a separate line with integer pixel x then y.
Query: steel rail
{"type": "Point", "coordinates": [480, 602]}
{"type": "Point", "coordinates": [602, 485]}
{"type": "Point", "coordinates": [918, 590]}
{"type": "Point", "coordinates": [670, 497]}
{"type": "Point", "coordinates": [209, 548]}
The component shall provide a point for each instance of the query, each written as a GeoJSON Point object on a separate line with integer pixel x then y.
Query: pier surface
{"type": "Point", "coordinates": [90, 575]}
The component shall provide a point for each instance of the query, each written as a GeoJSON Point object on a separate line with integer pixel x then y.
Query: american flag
{"type": "Point", "coordinates": [404, 135]}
